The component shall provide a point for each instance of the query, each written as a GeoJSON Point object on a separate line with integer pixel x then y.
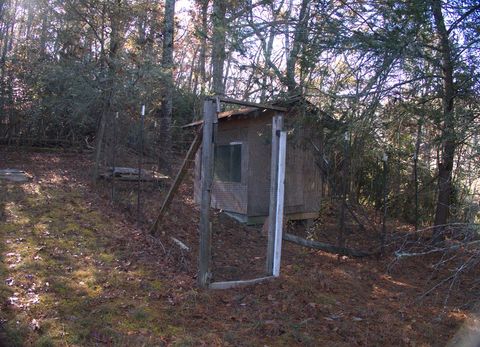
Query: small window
{"type": "Point", "coordinates": [228, 163]}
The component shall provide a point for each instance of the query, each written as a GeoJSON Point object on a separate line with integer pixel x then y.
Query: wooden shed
{"type": "Point", "coordinates": [241, 185]}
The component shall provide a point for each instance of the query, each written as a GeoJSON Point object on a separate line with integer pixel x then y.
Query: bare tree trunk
{"type": "Point", "coordinates": [5, 48]}
{"type": "Point", "coordinates": [43, 35]}
{"type": "Point", "coordinates": [192, 72]}
{"type": "Point", "coordinates": [218, 45]}
{"type": "Point", "coordinates": [115, 47]}
{"type": "Point", "coordinates": [445, 165]}
{"type": "Point", "coordinates": [268, 51]}
{"type": "Point", "coordinates": [203, 47]}
{"type": "Point", "coordinates": [167, 98]}
{"type": "Point", "coordinates": [298, 41]}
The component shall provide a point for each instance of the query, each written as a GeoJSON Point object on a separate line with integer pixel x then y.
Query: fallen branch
{"type": "Point", "coordinates": [458, 254]}
{"type": "Point", "coordinates": [178, 179]}
{"type": "Point", "coordinates": [363, 214]}
{"type": "Point", "coordinates": [399, 254]}
{"type": "Point", "coordinates": [354, 216]}
{"type": "Point", "coordinates": [180, 244]}
{"type": "Point", "coordinates": [326, 247]}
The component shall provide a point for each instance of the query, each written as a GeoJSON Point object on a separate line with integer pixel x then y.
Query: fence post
{"type": "Point", "coordinates": [280, 201]}
{"type": "Point", "coordinates": [208, 141]}
{"type": "Point", "coordinates": [277, 126]}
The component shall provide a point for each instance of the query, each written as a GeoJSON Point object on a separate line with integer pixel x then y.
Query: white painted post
{"type": "Point", "coordinates": [280, 201]}
{"type": "Point", "coordinates": [277, 127]}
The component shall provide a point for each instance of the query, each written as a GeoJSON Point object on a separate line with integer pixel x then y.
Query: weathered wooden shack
{"type": "Point", "coordinates": [241, 184]}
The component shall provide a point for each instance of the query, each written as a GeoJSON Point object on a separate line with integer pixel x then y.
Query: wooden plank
{"type": "Point", "coordinates": [280, 200]}
{"type": "Point", "coordinates": [277, 125]}
{"type": "Point", "coordinates": [303, 215]}
{"type": "Point", "coordinates": [178, 179]}
{"type": "Point", "coordinates": [236, 284]}
{"type": "Point", "coordinates": [250, 104]}
{"type": "Point", "coordinates": [206, 197]}
{"type": "Point", "coordinates": [15, 175]}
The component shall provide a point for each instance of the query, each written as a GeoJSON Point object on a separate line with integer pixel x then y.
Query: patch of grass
{"type": "Point", "coordinates": [185, 341]}
{"type": "Point", "coordinates": [60, 287]}
{"type": "Point", "coordinates": [13, 334]}
{"type": "Point", "coordinates": [44, 341]}
{"type": "Point", "coordinates": [106, 258]}
{"type": "Point", "coordinates": [139, 314]}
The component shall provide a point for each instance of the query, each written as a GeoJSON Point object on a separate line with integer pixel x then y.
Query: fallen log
{"type": "Point", "coordinates": [131, 174]}
{"type": "Point", "coordinates": [326, 247]}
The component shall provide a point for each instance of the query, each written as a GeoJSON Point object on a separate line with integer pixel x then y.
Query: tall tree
{"type": "Point", "coordinates": [203, 33]}
{"type": "Point", "coordinates": [445, 165]}
{"type": "Point", "coordinates": [218, 45]}
{"type": "Point", "coordinates": [167, 98]}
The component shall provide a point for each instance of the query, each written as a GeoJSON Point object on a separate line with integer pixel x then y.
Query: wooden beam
{"type": "Point", "coordinates": [326, 247]}
{"type": "Point", "coordinates": [277, 252]}
{"type": "Point", "coordinates": [178, 179]}
{"type": "Point", "coordinates": [205, 255]}
{"type": "Point", "coordinates": [236, 284]}
{"type": "Point", "coordinates": [303, 215]}
{"type": "Point", "coordinates": [250, 104]}
{"type": "Point", "coordinates": [277, 126]}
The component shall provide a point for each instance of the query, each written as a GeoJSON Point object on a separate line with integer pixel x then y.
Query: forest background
{"type": "Point", "coordinates": [401, 78]}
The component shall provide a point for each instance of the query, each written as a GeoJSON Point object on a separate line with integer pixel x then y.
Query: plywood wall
{"type": "Point", "coordinates": [303, 183]}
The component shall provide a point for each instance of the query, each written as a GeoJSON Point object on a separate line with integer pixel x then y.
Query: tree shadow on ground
{"type": "Point", "coordinates": [11, 333]}
{"type": "Point", "coordinates": [71, 273]}
{"type": "Point", "coordinates": [100, 283]}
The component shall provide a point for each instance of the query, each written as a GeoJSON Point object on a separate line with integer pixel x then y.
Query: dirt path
{"type": "Point", "coordinates": [76, 272]}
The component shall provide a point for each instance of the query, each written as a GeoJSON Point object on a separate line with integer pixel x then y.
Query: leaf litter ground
{"type": "Point", "coordinates": [77, 270]}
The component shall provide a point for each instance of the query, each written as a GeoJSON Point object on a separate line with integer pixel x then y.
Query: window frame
{"type": "Point", "coordinates": [232, 175]}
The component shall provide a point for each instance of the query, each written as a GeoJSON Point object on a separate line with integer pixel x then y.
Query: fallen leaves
{"type": "Point", "coordinates": [97, 278]}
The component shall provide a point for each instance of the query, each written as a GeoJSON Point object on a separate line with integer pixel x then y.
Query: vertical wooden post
{"type": "Point", "coordinates": [280, 199]}
{"type": "Point", "coordinates": [114, 153]}
{"type": "Point", "coordinates": [345, 170]}
{"type": "Point", "coordinates": [277, 126]}
{"type": "Point", "coordinates": [385, 192]}
{"type": "Point", "coordinates": [415, 170]}
{"type": "Point", "coordinates": [415, 179]}
{"type": "Point", "coordinates": [209, 116]}
{"type": "Point", "coordinates": [140, 159]}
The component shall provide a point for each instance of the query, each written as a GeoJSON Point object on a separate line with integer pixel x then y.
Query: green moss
{"type": "Point", "coordinates": [60, 287]}
{"type": "Point", "coordinates": [139, 314]}
{"type": "Point", "coordinates": [325, 299]}
{"type": "Point", "coordinates": [7, 228]}
{"type": "Point", "coordinates": [13, 334]}
{"type": "Point", "coordinates": [185, 341]}
{"type": "Point", "coordinates": [106, 257]}
{"type": "Point", "coordinates": [56, 225]}
{"type": "Point", "coordinates": [173, 330]}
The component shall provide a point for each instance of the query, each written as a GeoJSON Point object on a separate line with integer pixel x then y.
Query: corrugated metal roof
{"type": "Point", "coordinates": [229, 114]}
